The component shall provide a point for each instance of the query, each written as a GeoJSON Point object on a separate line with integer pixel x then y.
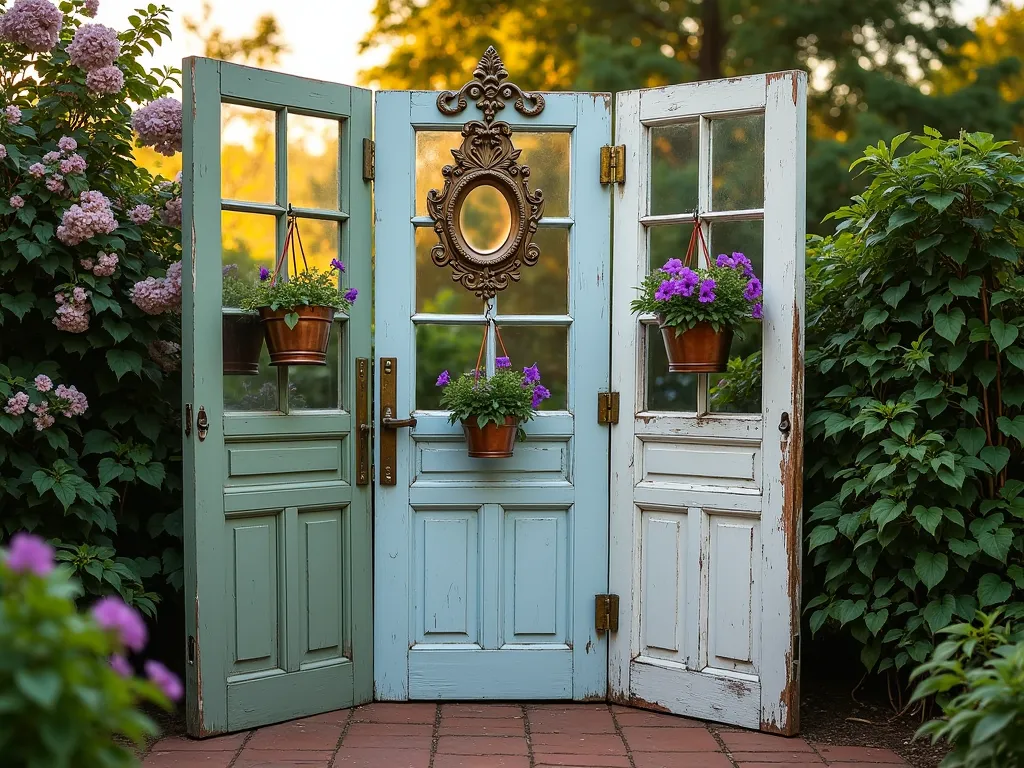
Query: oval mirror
{"type": "Point", "coordinates": [485, 219]}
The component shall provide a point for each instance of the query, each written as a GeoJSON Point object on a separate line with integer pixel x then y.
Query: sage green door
{"type": "Point", "coordinates": [277, 508]}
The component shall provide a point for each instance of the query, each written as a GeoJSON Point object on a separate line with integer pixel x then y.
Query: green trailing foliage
{"type": "Point", "coordinates": [311, 288]}
{"type": "Point", "coordinates": [483, 400]}
{"type": "Point", "coordinates": [102, 484]}
{"type": "Point", "coordinates": [977, 676]}
{"type": "Point", "coordinates": [915, 378]}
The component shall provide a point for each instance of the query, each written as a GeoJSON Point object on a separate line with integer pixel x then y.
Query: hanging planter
{"type": "Point", "coordinates": [297, 313]}
{"type": "Point", "coordinates": [241, 334]}
{"type": "Point", "coordinates": [492, 409]}
{"type": "Point", "coordinates": [700, 310]}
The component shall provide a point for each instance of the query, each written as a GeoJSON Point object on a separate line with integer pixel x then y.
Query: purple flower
{"type": "Point", "coordinates": [113, 614]}
{"type": "Point", "coordinates": [29, 554]}
{"type": "Point", "coordinates": [105, 81]}
{"type": "Point", "coordinates": [502, 362]}
{"type": "Point", "coordinates": [91, 7]}
{"type": "Point", "coordinates": [753, 290]}
{"type": "Point", "coordinates": [34, 24]}
{"type": "Point", "coordinates": [140, 214]}
{"type": "Point", "coordinates": [158, 125]}
{"type": "Point", "coordinates": [531, 374]}
{"type": "Point", "coordinates": [120, 665]}
{"type": "Point", "coordinates": [673, 267]}
{"type": "Point", "coordinates": [742, 261]}
{"type": "Point", "coordinates": [351, 294]}
{"type": "Point", "coordinates": [264, 274]}
{"type": "Point", "coordinates": [665, 291]}
{"type": "Point", "coordinates": [724, 261]}
{"type": "Point", "coordinates": [156, 295]}
{"type": "Point", "coordinates": [17, 201]}
{"type": "Point", "coordinates": [94, 47]}
{"type": "Point", "coordinates": [707, 291]}
{"type": "Point", "coordinates": [540, 392]}
{"type": "Point", "coordinates": [165, 680]}
{"type": "Point", "coordinates": [37, 169]}
{"type": "Point", "coordinates": [43, 383]}
{"type": "Point", "coordinates": [443, 379]}
{"type": "Point", "coordinates": [91, 216]}
{"type": "Point", "coordinates": [336, 264]}
{"type": "Point", "coordinates": [67, 144]}
{"type": "Point", "coordinates": [17, 404]}
{"type": "Point", "coordinates": [11, 112]}
{"type": "Point", "coordinates": [758, 311]}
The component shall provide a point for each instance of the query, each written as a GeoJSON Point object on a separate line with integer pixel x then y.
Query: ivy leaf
{"type": "Point", "coordinates": [931, 567]}
{"type": "Point", "coordinates": [969, 286]}
{"type": "Point", "coordinates": [885, 510]}
{"type": "Point", "coordinates": [101, 303]}
{"type": "Point", "coordinates": [949, 324]}
{"type": "Point", "coordinates": [118, 329]}
{"type": "Point", "coordinates": [151, 474]}
{"type": "Point", "coordinates": [19, 305]}
{"type": "Point", "coordinates": [64, 490]}
{"type": "Point", "coordinates": [929, 517]}
{"type": "Point", "coordinates": [1001, 249]}
{"type": "Point", "coordinates": [98, 441]}
{"type": "Point", "coordinates": [971, 440]}
{"type": "Point", "coordinates": [121, 361]}
{"type": "Point", "coordinates": [291, 320]}
{"type": "Point", "coordinates": [1015, 356]}
{"type": "Point", "coordinates": [109, 469]}
{"type": "Point", "coordinates": [992, 590]}
{"type": "Point", "coordinates": [938, 613]}
{"type": "Point", "coordinates": [874, 317]}
{"type": "Point", "coordinates": [893, 296]}
{"type": "Point", "coordinates": [995, 456]}
{"type": "Point", "coordinates": [822, 534]}
{"type": "Point", "coordinates": [1003, 333]}
{"type": "Point", "coordinates": [1014, 428]}
{"type": "Point", "coordinates": [876, 620]}
{"type": "Point", "coordinates": [996, 543]}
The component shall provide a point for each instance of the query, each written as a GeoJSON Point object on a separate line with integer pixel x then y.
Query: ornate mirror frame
{"type": "Point", "coordinates": [487, 157]}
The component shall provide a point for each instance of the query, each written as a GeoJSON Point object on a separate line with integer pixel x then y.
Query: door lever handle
{"type": "Point", "coordinates": [387, 422]}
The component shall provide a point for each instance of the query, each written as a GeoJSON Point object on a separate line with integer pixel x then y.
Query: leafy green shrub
{"type": "Point", "coordinates": [915, 389]}
{"type": "Point", "coordinates": [507, 393]}
{"type": "Point", "coordinates": [978, 676]}
{"type": "Point", "coordinates": [66, 688]}
{"type": "Point", "coordinates": [83, 301]}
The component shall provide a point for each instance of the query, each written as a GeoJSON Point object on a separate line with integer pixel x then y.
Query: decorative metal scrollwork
{"type": "Point", "coordinates": [487, 158]}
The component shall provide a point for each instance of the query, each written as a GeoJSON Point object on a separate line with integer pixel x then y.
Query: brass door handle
{"type": "Point", "coordinates": [387, 422]}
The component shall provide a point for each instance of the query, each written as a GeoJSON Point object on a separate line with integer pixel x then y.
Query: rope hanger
{"type": "Point", "coordinates": [488, 322]}
{"type": "Point", "coordinates": [698, 233]}
{"type": "Point", "coordinates": [290, 239]}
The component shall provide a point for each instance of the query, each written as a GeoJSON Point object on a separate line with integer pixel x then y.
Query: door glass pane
{"type": "Point", "coordinates": [436, 292]}
{"type": "Point", "coordinates": [320, 239]}
{"type": "Point", "coordinates": [433, 152]}
{"type": "Point", "coordinates": [247, 154]}
{"type": "Point", "coordinates": [313, 161]}
{"type": "Point", "coordinates": [316, 386]}
{"type": "Point", "coordinates": [675, 151]}
{"type": "Point", "coordinates": [543, 289]}
{"type": "Point", "coordinates": [452, 348]}
{"type": "Point", "coordinates": [248, 241]}
{"type": "Point", "coordinates": [737, 163]}
{"type": "Point", "coordinates": [739, 390]}
{"type": "Point", "coordinates": [666, 391]}
{"type": "Point", "coordinates": [670, 241]}
{"type": "Point", "coordinates": [548, 347]}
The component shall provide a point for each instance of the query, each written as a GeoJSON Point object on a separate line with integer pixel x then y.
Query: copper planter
{"type": "Point", "coordinates": [700, 349]}
{"type": "Point", "coordinates": [492, 441]}
{"type": "Point", "coordinates": [243, 342]}
{"type": "Point", "coordinates": [306, 343]}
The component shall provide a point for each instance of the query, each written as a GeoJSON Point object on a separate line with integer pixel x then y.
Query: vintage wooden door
{"type": "Point", "coordinates": [706, 489]}
{"type": "Point", "coordinates": [486, 569]}
{"type": "Point", "coordinates": [277, 524]}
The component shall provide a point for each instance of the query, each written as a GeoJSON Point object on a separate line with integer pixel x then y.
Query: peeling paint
{"type": "Point", "coordinates": [636, 701]}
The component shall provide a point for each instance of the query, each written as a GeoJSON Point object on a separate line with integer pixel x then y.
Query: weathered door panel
{"type": "Point", "coordinates": [706, 495]}
{"type": "Point", "coordinates": [277, 530]}
{"type": "Point", "coordinates": [486, 569]}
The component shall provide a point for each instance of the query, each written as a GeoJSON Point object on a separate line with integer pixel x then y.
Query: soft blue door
{"type": "Point", "coordinates": [486, 569]}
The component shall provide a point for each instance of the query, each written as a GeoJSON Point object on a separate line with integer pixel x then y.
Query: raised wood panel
{"type": "Point", "coordinates": [536, 576]}
{"type": "Point", "coordinates": [253, 592]}
{"type": "Point", "coordinates": [445, 461]}
{"type": "Point", "coordinates": [284, 461]}
{"type": "Point", "coordinates": [733, 564]}
{"type": "Point", "coordinates": [701, 464]}
{"type": "Point", "coordinates": [717, 697]}
{"type": "Point", "coordinates": [322, 599]}
{"type": "Point", "coordinates": [663, 584]}
{"type": "Point", "coordinates": [507, 674]}
{"type": "Point", "coordinates": [447, 582]}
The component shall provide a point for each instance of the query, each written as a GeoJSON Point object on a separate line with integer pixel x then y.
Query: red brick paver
{"type": "Point", "coordinates": [482, 735]}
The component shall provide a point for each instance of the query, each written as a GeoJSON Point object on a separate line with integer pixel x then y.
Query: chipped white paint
{"type": "Point", "coordinates": [714, 496]}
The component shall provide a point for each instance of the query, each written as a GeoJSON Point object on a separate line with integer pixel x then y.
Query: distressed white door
{"type": "Point", "coordinates": [486, 569]}
{"type": "Point", "coordinates": [706, 478]}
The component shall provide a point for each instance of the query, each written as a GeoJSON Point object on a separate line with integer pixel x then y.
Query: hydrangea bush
{"type": "Point", "coordinates": [475, 396]}
{"type": "Point", "coordinates": [67, 686]}
{"type": "Point", "coordinates": [90, 287]}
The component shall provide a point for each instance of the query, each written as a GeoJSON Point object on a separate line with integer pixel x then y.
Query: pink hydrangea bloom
{"type": "Point", "coordinates": [67, 144]}
{"type": "Point", "coordinates": [17, 201]}
{"type": "Point", "coordinates": [43, 419]}
{"type": "Point", "coordinates": [87, 264]}
{"type": "Point", "coordinates": [171, 214]}
{"type": "Point", "coordinates": [120, 665]}
{"type": "Point", "coordinates": [105, 81]}
{"type": "Point", "coordinates": [94, 47]}
{"type": "Point", "coordinates": [166, 354]}
{"type": "Point", "coordinates": [156, 295]}
{"type": "Point", "coordinates": [29, 554]}
{"type": "Point", "coordinates": [165, 680]}
{"type": "Point", "coordinates": [43, 383]}
{"type": "Point", "coordinates": [158, 125]}
{"type": "Point", "coordinates": [72, 316]}
{"type": "Point", "coordinates": [3, 152]}
{"type": "Point", "coordinates": [16, 405]}
{"type": "Point", "coordinates": [51, 157]}
{"type": "Point", "coordinates": [74, 401]}
{"type": "Point", "coordinates": [60, 298]}
{"type": "Point", "coordinates": [37, 169]}
{"type": "Point", "coordinates": [112, 614]}
{"type": "Point", "coordinates": [91, 7]}
{"type": "Point", "coordinates": [11, 112]}
{"type": "Point", "coordinates": [106, 264]}
{"type": "Point", "coordinates": [34, 24]}
{"type": "Point", "coordinates": [72, 164]}
{"type": "Point", "coordinates": [140, 214]}
{"type": "Point", "coordinates": [89, 218]}
{"type": "Point", "coordinates": [55, 184]}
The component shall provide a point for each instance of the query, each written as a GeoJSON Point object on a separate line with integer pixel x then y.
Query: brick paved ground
{"type": "Point", "coordinates": [505, 736]}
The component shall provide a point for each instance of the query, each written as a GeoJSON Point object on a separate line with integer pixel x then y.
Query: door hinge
{"type": "Point", "coordinates": [369, 159]}
{"type": "Point", "coordinates": [606, 613]}
{"type": "Point", "coordinates": [613, 164]}
{"type": "Point", "coordinates": [607, 407]}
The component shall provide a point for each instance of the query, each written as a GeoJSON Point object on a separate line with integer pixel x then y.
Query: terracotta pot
{"type": "Point", "coordinates": [306, 343]}
{"type": "Point", "coordinates": [243, 342]}
{"type": "Point", "coordinates": [492, 441]}
{"type": "Point", "coordinates": [700, 349]}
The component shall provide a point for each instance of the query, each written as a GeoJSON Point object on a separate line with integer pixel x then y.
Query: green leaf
{"type": "Point", "coordinates": [969, 286]}
{"type": "Point", "coordinates": [1014, 428]}
{"type": "Point", "coordinates": [874, 317]}
{"type": "Point", "coordinates": [931, 567]}
{"type": "Point", "coordinates": [971, 440]}
{"type": "Point", "coordinates": [109, 470]}
{"type": "Point", "coordinates": [940, 201]}
{"type": "Point", "coordinates": [1003, 334]}
{"type": "Point", "coordinates": [938, 613]}
{"type": "Point", "coordinates": [885, 510]}
{"type": "Point", "coordinates": [902, 216]}
{"type": "Point", "coordinates": [996, 543]}
{"type": "Point", "coordinates": [98, 441]}
{"type": "Point", "coordinates": [1016, 356]}
{"type": "Point", "coordinates": [65, 492]}
{"type": "Point", "coordinates": [121, 361]}
{"type": "Point", "coordinates": [42, 687]}
{"type": "Point", "coordinates": [19, 305]}
{"type": "Point", "coordinates": [949, 324]}
{"type": "Point", "coordinates": [922, 245]}
{"type": "Point", "coordinates": [929, 517]}
{"type": "Point", "coordinates": [876, 620]}
{"type": "Point", "coordinates": [822, 534]}
{"type": "Point", "coordinates": [1001, 250]}
{"type": "Point", "coordinates": [291, 320]}
{"type": "Point", "coordinates": [893, 296]}
{"type": "Point", "coordinates": [151, 474]}
{"type": "Point", "coordinates": [996, 456]}
{"type": "Point", "coordinates": [992, 590]}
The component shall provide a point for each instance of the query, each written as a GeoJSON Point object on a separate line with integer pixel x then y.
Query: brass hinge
{"type": "Point", "coordinates": [607, 407]}
{"type": "Point", "coordinates": [613, 164]}
{"type": "Point", "coordinates": [369, 159]}
{"type": "Point", "coordinates": [606, 613]}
